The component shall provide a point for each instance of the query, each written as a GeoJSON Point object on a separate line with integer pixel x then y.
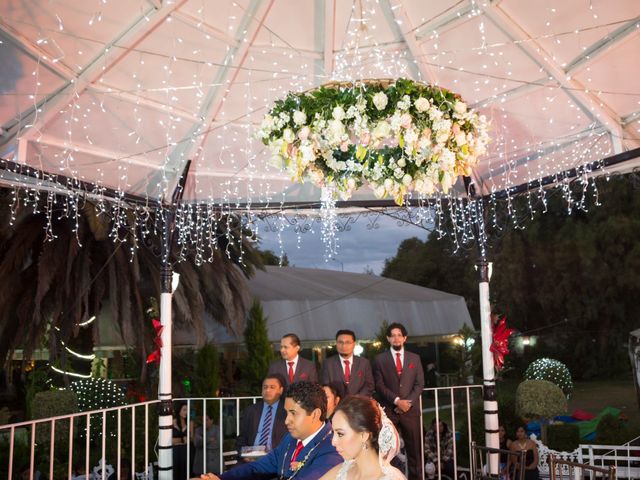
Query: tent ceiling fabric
{"type": "Point", "coordinates": [123, 92]}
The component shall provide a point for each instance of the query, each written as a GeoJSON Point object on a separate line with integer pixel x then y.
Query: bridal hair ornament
{"type": "Point", "coordinates": [388, 441]}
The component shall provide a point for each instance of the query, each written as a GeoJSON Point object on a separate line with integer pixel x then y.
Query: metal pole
{"type": "Point", "coordinates": [489, 396]}
{"type": "Point", "coordinates": [165, 417]}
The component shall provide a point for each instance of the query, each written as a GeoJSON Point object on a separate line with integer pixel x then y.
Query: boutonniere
{"type": "Point", "coordinates": [303, 376]}
{"type": "Point", "coordinates": [411, 365]}
{"type": "Point", "coordinates": [295, 466]}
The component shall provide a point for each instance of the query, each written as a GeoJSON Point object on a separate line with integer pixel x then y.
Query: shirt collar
{"type": "Point", "coordinates": [350, 359]}
{"type": "Point", "coordinates": [401, 352]}
{"type": "Point", "coordinates": [306, 441]}
{"type": "Point", "coordinates": [295, 361]}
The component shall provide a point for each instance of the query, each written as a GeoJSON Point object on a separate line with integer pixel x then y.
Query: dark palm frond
{"type": "Point", "coordinates": [61, 282]}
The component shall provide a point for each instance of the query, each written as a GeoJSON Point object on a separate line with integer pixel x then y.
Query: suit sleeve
{"type": "Point", "coordinates": [267, 465]}
{"type": "Point", "coordinates": [313, 374]}
{"type": "Point", "coordinates": [381, 387]}
{"type": "Point", "coordinates": [418, 384]}
{"type": "Point", "coordinates": [369, 383]}
{"type": "Point", "coordinates": [326, 378]}
{"type": "Point", "coordinates": [245, 426]}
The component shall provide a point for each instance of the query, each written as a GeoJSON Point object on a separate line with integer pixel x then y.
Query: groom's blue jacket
{"type": "Point", "coordinates": [276, 463]}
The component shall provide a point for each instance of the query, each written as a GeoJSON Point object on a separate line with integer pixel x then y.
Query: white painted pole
{"type": "Point", "coordinates": [165, 415]}
{"type": "Point", "coordinates": [165, 418]}
{"type": "Point", "coordinates": [492, 438]}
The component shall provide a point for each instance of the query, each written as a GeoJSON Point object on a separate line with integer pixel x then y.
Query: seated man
{"type": "Point", "coordinates": [263, 422]}
{"type": "Point", "coordinates": [305, 452]}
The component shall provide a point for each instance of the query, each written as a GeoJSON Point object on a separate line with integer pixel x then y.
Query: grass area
{"type": "Point", "coordinates": [594, 396]}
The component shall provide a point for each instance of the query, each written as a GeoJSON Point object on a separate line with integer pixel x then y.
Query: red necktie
{"type": "Point", "coordinates": [299, 447]}
{"type": "Point", "coordinates": [398, 364]}
{"type": "Point", "coordinates": [347, 372]}
{"type": "Point", "coordinates": [290, 372]}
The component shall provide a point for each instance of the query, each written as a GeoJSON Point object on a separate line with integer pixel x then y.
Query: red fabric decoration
{"type": "Point", "coordinates": [500, 345]}
{"type": "Point", "coordinates": [156, 354]}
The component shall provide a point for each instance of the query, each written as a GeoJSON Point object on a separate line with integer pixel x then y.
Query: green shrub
{"type": "Point", "coordinates": [206, 376]}
{"type": "Point", "coordinates": [553, 371]}
{"type": "Point", "coordinates": [563, 437]}
{"type": "Point", "coordinates": [611, 431]}
{"type": "Point", "coordinates": [540, 398]}
{"type": "Point", "coordinates": [260, 351]}
{"type": "Point", "coordinates": [52, 404]}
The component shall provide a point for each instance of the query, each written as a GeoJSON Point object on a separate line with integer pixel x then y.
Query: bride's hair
{"type": "Point", "coordinates": [363, 415]}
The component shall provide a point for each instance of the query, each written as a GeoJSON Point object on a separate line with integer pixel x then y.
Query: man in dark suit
{"type": "Point", "coordinates": [306, 452]}
{"type": "Point", "coordinates": [345, 368]}
{"type": "Point", "coordinates": [399, 383]}
{"type": "Point", "coordinates": [263, 422]}
{"type": "Point", "coordinates": [293, 367]}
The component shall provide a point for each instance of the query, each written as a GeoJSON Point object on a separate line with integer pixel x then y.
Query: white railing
{"type": "Point", "coordinates": [626, 458]}
{"type": "Point", "coordinates": [449, 404]}
{"type": "Point", "coordinates": [92, 445]}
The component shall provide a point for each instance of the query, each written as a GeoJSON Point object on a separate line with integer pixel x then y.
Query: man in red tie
{"type": "Point", "coordinates": [399, 382]}
{"type": "Point", "coordinates": [306, 452]}
{"type": "Point", "coordinates": [353, 372]}
{"type": "Point", "coordinates": [292, 367]}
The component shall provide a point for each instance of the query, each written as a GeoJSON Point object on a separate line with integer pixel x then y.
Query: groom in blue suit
{"type": "Point", "coordinates": [305, 453]}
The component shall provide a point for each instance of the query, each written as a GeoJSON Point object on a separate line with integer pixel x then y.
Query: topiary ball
{"type": "Point", "coordinates": [540, 398]}
{"type": "Point", "coordinates": [553, 371]}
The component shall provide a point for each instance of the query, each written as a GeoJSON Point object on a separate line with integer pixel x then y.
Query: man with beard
{"type": "Point", "coordinates": [292, 367]}
{"type": "Point", "coordinates": [399, 382]}
{"type": "Point", "coordinates": [347, 369]}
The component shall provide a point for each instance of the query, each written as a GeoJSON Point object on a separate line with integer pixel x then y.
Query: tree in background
{"type": "Point", "coordinates": [259, 348]}
{"type": "Point", "coordinates": [270, 258]}
{"type": "Point", "coordinates": [206, 377]}
{"type": "Point", "coordinates": [572, 278]}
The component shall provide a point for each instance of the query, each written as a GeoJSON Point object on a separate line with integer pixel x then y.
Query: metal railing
{"type": "Point", "coordinates": [481, 461]}
{"type": "Point", "coordinates": [578, 471]}
{"type": "Point", "coordinates": [86, 445]}
{"type": "Point", "coordinates": [92, 445]}
{"type": "Point", "coordinates": [448, 404]}
{"type": "Point", "coordinates": [625, 458]}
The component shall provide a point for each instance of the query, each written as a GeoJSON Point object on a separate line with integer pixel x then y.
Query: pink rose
{"type": "Point", "coordinates": [405, 120]}
{"type": "Point", "coordinates": [344, 146]}
{"type": "Point", "coordinates": [455, 129]}
{"type": "Point", "coordinates": [365, 139]}
{"type": "Point", "coordinates": [303, 134]}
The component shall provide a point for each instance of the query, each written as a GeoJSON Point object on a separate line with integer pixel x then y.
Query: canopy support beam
{"type": "Point", "coordinates": [591, 105]}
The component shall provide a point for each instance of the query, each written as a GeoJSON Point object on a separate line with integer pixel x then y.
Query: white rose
{"type": "Point", "coordinates": [382, 129]}
{"type": "Point", "coordinates": [402, 162]}
{"type": "Point", "coordinates": [460, 107]}
{"type": "Point", "coordinates": [351, 183]}
{"type": "Point", "coordinates": [398, 173]}
{"type": "Point", "coordinates": [288, 135]}
{"type": "Point", "coordinates": [380, 100]}
{"type": "Point", "coordinates": [299, 118]}
{"type": "Point", "coordinates": [422, 104]}
{"type": "Point", "coordinates": [338, 113]}
{"type": "Point", "coordinates": [388, 184]}
{"type": "Point", "coordinates": [336, 130]}
{"type": "Point", "coordinates": [379, 192]}
{"type": "Point", "coordinates": [461, 139]}
{"type": "Point", "coordinates": [406, 180]}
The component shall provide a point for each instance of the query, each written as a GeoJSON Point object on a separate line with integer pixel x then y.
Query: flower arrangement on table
{"type": "Point", "coordinates": [397, 136]}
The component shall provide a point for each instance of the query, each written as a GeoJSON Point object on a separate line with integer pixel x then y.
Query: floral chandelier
{"type": "Point", "coordinates": [395, 136]}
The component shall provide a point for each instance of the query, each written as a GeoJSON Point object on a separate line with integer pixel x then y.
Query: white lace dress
{"type": "Point", "coordinates": [389, 472]}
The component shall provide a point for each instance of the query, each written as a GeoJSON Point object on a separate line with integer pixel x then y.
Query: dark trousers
{"type": "Point", "coordinates": [410, 430]}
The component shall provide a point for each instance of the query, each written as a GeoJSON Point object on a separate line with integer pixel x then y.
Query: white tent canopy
{"type": "Point", "coordinates": [315, 304]}
{"type": "Point", "coordinates": [123, 92]}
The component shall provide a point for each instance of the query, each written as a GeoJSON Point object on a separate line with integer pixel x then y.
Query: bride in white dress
{"type": "Point", "coordinates": [366, 439]}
